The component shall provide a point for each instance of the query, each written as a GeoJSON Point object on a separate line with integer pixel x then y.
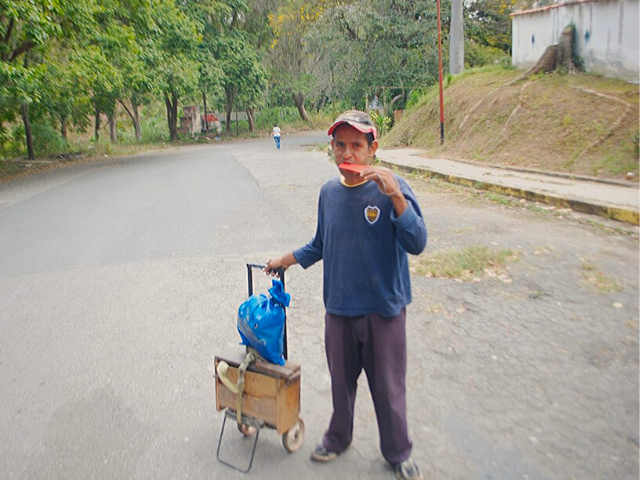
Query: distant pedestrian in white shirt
{"type": "Point", "coordinates": [276, 135]}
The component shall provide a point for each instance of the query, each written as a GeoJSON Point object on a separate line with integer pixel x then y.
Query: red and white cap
{"type": "Point", "coordinates": [357, 119]}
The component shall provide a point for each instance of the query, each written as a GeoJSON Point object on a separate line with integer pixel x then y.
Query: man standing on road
{"type": "Point", "coordinates": [368, 220]}
{"type": "Point", "coordinates": [276, 135]}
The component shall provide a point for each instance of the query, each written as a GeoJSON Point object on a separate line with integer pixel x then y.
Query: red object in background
{"type": "Point", "coordinates": [211, 118]}
{"type": "Point", "coordinates": [352, 167]}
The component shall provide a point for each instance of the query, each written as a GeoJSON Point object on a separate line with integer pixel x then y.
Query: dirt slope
{"type": "Point", "coordinates": [577, 124]}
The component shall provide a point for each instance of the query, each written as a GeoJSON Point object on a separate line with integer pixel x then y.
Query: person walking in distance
{"type": "Point", "coordinates": [276, 135]}
{"type": "Point", "coordinates": [368, 220]}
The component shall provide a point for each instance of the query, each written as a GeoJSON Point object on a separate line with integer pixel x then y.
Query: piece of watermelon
{"type": "Point", "coordinates": [352, 167]}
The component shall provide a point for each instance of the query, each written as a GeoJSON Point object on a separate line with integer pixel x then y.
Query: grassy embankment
{"type": "Point", "coordinates": [574, 124]}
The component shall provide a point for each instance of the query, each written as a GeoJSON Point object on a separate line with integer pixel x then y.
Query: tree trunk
{"type": "Point", "coordinates": [134, 116]}
{"type": "Point", "coordinates": [250, 118]}
{"type": "Point", "coordinates": [96, 127]}
{"type": "Point", "coordinates": [230, 100]}
{"type": "Point", "coordinates": [172, 116]}
{"type": "Point", "coordinates": [456, 39]}
{"type": "Point", "coordinates": [394, 100]}
{"type": "Point", "coordinates": [136, 121]}
{"type": "Point", "coordinates": [63, 128]}
{"type": "Point", "coordinates": [113, 135]}
{"type": "Point", "coordinates": [27, 131]}
{"type": "Point", "coordinates": [204, 103]}
{"type": "Point", "coordinates": [298, 99]}
{"type": "Point", "coordinates": [566, 52]}
{"type": "Point", "coordinates": [323, 102]}
{"type": "Point", "coordinates": [561, 56]}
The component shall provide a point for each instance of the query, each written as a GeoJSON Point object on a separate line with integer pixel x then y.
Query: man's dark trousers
{"type": "Point", "coordinates": [377, 345]}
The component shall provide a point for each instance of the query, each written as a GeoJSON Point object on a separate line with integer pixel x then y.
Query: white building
{"type": "Point", "coordinates": [607, 35]}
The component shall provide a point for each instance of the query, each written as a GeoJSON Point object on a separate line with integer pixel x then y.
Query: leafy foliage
{"type": "Point", "coordinates": [487, 23]}
{"type": "Point", "coordinates": [380, 48]}
{"type": "Point", "coordinates": [382, 122]}
{"type": "Point", "coordinates": [66, 63]}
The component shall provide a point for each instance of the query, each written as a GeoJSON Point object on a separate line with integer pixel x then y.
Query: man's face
{"type": "Point", "coordinates": [350, 146]}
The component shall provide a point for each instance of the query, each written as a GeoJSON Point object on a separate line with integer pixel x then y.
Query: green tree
{"type": "Point", "coordinates": [384, 48]}
{"type": "Point", "coordinates": [251, 85]}
{"type": "Point", "coordinates": [134, 24]}
{"type": "Point", "coordinates": [244, 78]}
{"type": "Point", "coordinates": [217, 18]}
{"type": "Point", "coordinates": [230, 63]}
{"type": "Point", "coordinates": [64, 93]}
{"type": "Point", "coordinates": [290, 58]}
{"type": "Point", "coordinates": [25, 25]}
{"type": "Point", "coordinates": [171, 57]}
{"type": "Point", "coordinates": [487, 23]}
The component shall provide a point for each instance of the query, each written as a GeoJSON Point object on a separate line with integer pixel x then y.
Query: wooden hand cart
{"type": "Point", "coordinates": [270, 393]}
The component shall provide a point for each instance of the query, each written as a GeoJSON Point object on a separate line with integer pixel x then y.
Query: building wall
{"type": "Point", "coordinates": [607, 31]}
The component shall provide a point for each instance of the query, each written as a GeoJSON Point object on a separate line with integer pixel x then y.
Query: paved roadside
{"type": "Point", "coordinates": [614, 200]}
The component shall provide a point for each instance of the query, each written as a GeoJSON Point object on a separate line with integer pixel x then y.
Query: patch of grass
{"type": "Point", "coordinates": [608, 228]}
{"type": "Point", "coordinates": [497, 198]}
{"type": "Point", "coordinates": [537, 209]}
{"type": "Point", "coordinates": [467, 264]}
{"type": "Point", "coordinates": [616, 164]}
{"type": "Point", "coordinates": [412, 176]}
{"type": "Point", "coordinates": [598, 281]}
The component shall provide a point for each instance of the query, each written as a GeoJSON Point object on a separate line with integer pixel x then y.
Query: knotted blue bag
{"type": "Point", "coordinates": [261, 322]}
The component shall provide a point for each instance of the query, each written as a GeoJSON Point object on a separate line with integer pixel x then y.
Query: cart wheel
{"type": "Point", "coordinates": [292, 439]}
{"type": "Point", "coordinates": [246, 430]}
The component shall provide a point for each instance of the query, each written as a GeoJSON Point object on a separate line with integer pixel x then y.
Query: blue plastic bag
{"type": "Point", "coordinates": [261, 322]}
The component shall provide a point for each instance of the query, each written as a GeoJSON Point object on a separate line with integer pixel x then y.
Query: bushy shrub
{"type": "Point", "coordinates": [477, 55]}
{"type": "Point", "coordinates": [414, 97]}
{"type": "Point", "coordinates": [419, 97]}
{"type": "Point", "coordinates": [5, 138]}
{"type": "Point", "coordinates": [153, 129]}
{"type": "Point", "coordinates": [382, 122]}
{"type": "Point", "coordinates": [46, 141]}
{"type": "Point", "coordinates": [266, 118]}
{"type": "Point", "coordinates": [17, 144]}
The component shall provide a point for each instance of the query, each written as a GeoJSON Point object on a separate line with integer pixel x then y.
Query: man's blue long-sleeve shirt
{"type": "Point", "coordinates": [364, 246]}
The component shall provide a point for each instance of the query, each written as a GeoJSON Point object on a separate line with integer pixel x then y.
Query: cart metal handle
{"type": "Point", "coordinates": [280, 272]}
{"type": "Point", "coordinates": [261, 266]}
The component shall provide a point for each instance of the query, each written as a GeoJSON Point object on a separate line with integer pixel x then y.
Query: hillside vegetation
{"type": "Point", "coordinates": [576, 124]}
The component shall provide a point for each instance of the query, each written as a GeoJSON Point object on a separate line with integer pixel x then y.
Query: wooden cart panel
{"type": "Point", "coordinates": [272, 392]}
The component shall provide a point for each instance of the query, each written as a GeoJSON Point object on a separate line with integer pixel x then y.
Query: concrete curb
{"type": "Point", "coordinates": [568, 176]}
{"type": "Point", "coordinates": [621, 214]}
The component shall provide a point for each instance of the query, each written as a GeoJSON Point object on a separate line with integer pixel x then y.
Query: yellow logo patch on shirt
{"type": "Point", "coordinates": [372, 214]}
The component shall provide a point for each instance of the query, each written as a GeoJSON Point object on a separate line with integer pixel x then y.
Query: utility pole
{"type": "Point", "coordinates": [440, 74]}
{"type": "Point", "coordinates": [456, 39]}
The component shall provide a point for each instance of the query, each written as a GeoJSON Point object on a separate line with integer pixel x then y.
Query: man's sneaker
{"type": "Point", "coordinates": [408, 470]}
{"type": "Point", "coordinates": [321, 454]}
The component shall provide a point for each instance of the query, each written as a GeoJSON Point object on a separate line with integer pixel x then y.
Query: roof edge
{"type": "Point", "coordinates": [551, 7]}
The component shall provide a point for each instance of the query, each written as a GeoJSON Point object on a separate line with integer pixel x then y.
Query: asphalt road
{"type": "Point", "coordinates": [120, 280]}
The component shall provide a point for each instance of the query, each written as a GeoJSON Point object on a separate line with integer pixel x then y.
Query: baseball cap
{"type": "Point", "coordinates": [357, 119]}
